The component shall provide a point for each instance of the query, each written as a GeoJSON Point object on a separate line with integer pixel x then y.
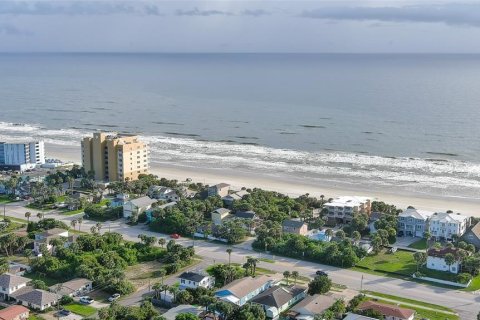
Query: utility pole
{"type": "Point", "coordinates": [361, 284]}
{"type": "Point", "coordinates": [4, 210]}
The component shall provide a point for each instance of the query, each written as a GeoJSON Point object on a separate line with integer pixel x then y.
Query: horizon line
{"type": "Point", "coordinates": [238, 52]}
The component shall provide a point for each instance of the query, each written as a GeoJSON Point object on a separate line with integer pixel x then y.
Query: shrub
{"type": "Point", "coordinates": [66, 300]}
{"type": "Point", "coordinates": [463, 278]}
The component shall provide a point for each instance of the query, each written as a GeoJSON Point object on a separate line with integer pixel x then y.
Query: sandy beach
{"type": "Point", "coordinates": [289, 186]}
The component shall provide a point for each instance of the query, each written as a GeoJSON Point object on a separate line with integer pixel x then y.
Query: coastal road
{"type": "Point", "coordinates": [465, 303]}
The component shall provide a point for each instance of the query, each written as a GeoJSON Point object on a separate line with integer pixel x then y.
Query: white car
{"type": "Point", "coordinates": [86, 300]}
{"type": "Point", "coordinates": [114, 297]}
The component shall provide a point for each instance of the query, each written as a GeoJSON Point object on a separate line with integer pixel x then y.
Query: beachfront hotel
{"type": "Point", "coordinates": [21, 156]}
{"type": "Point", "coordinates": [114, 157]}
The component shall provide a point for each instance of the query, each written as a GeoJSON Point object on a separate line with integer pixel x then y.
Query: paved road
{"type": "Point", "coordinates": [465, 303]}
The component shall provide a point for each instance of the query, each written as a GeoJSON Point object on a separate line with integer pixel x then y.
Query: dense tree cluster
{"type": "Point", "coordinates": [115, 311]}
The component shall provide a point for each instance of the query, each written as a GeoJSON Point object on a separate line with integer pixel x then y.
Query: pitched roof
{"type": "Point", "coordinates": [221, 185]}
{"type": "Point", "coordinates": [387, 310]}
{"type": "Point", "coordinates": [474, 232]}
{"type": "Point", "coordinates": [12, 312]}
{"type": "Point", "coordinates": [143, 202]}
{"type": "Point", "coordinates": [233, 196]}
{"type": "Point", "coordinates": [8, 280]}
{"type": "Point", "coordinates": [347, 201]}
{"type": "Point", "coordinates": [192, 276]}
{"type": "Point", "coordinates": [440, 253]}
{"type": "Point", "coordinates": [448, 217]}
{"type": "Point", "coordinates": [242, 287]}
{"type": "Point", "coordinates": [293, 223]}
{"type": "Point", "coordinates": [35, 296]}
{"type": "Point", "coordinates": [315, 304]}
{"type": "Point", "coordinates": [278, 296]}
{"type": "Point", "coordinates": [354, 316]}
{"type": "Point", "coordinates": [72, 285]}
{"type": "Point", "coordinates": [417, 214]}
{"type": "Point", "coordinates": [245, 214]}
{"type": "Point", "coordinates": [221, 210]}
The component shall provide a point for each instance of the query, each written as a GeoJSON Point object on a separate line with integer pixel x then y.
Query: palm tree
{"type": "Point", "coordinates": [79, 220]}
{"type": "Point", "coordinates": [247, 266]}
{"type": "Point", "coordinates": [174, 290]}
{"type": "Point", "coordinates": [286, 275]}
{"type": "Point", "coordinates": [93, 229]}
{"type": "Point", "coordinates": [157, 287]}
{"type": "Point", "coordinates": [162, 273]}
{"type": "Point", "coordinates": [99, 226]}
{"type": "Point", "coordinates": [164, 288]}
{"type": "Point", "coordinates": [295, 276]}
{"type": "Point", "coordinates": [449, 260]}
{"type": "Point", "coordinates": [73, 223]}
{"type": "Point", "coordinates": [253, 263]}
{"type": "Point", "coordinates": [329, 233]}
{"type": "Point", "coordinates": [28, 253]}
{"type": "Point", "coordinates": [420, 258]}
{"type": "Point", "coordinates": [40, 215]}
{"type": "Point", "coordinates": [28, 214]}
{"type": "Point", "coordinates": [162, 242]}
{"type": "Point", "coordinates": [356, 236]}
{"type": "Point", "coordinates": [229, 251]}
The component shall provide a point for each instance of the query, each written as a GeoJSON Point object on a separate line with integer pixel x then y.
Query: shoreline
{"type": "Point", "coordinates": [287, 185]}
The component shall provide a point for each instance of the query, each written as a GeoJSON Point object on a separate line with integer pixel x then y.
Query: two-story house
{"type": "Point", "coordinates": [48, 235]}
{"type": "Point", "coordinates": [445, 225]}
{"type": "Point", "coordinates": [413, 222]}
{"type": "Point", "coordinates": [436, 259]}
{"type": "Point", "coordinates": [137, 206]}
{"type": "Point", "coordinates": [220, 214]}
{"type": "Point", "coordinates": [10, 283]}
{"type": "Point", "coordinates": [295, 226]}
{"type": "Point", "coordinates": [194, 280]}
{"type": "Point", "coordinates": [220, 190]}
{"type": "Point", "coordinates": [343, 209]}
{"type": "Point", "coordinates": [243, 290]}
{"type": "Point", "coordinates": [163, 193]}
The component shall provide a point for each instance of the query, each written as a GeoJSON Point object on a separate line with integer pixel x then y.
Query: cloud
{"type": "Point", "coordinates": [10, 30]}
{"type": "Point", "coordinates": [466, 14]}
{"type": "Point", "coordinates": [255, 13]}
{"type": "Point", "coordinates": [69, 7]}
{"type": "Point", "coordinates": [203, 13]}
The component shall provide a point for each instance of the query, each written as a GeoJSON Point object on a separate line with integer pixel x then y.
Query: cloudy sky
{"type": "Point", "coordinates": [240, 26]}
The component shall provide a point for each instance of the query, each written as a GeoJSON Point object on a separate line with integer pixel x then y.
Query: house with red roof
{"type": "Point", "coordinates": [389, 312]}
{"type": "Point", "coordinates": [14, 313]}
{"type": "Point", "coordinates": [436, 259]}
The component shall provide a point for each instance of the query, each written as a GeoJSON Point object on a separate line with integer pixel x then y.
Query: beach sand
{"type": "Point", "coordinates": [288, 186]}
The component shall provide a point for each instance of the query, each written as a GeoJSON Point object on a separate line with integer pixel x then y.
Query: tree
{"type": "Point", "coordinates": [174, 291]}
{"type": "Point", "coordinates": [184, 297]}
{"type": "Point", "coordinates": [229, 251]}
{"type": "Point", "coordinates": [420, 258]}
{"type": "Point", "coordinates": [206, 301]}
{"type": "Point", "coordinates": [79, 220]}
{"type": "Point", "coordinates": [295, 276]}
{"type": "Point", "coordinates": [449, 260]}
{"type": "Point", "coordinates": [340, 234]}
{"type": "Point", "coordinates": [329, 233]}
{"type": "Point", "coordinates": [40, 215]}
{"type": "Point", "coordinates": [319, 285]}
{"type": "Point", "coordinates": [162, 273]}
{"type": "Point", "coordinates": [73, 223]}
{"type": "Point", "coordinates": [162, 242]}
{"type": "Point", "coordinates": [356, 236]}
{"type": "Point", "coordinates": [286, 275]}
{"type": "Point", "coordinates": [376, 243]}
{"type": "Point", "coordinates": [187, 316]}
{"type": "Point", "coordinates": [4, 265]}
{"type": "Point", "coordinates": [157, 288]}
{"type": "Point", "coordinates": [253, 263]}
{"type": "Point", "coordinates": [28, 214]}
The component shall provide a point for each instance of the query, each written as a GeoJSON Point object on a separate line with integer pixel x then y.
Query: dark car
{"type": "Point", "coordinates": [65, 312]}
{"type": "Point", "coordinates": [321, 273]}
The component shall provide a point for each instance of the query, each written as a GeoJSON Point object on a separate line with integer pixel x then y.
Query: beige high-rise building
{"type": "Point", "coordinates": [114, 157]}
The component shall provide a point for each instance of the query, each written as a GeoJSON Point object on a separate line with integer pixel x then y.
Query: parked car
{"type": "Point", "coordinates": [86, 300]}
{"type": "Point", "coordinates": [321, 273]}
{"type": "Point", "coordinates": [64, 312]}
{"type": "Point", "coordinates": [175, 236]}
{"type": "Point", "coordinates": [114, 297]}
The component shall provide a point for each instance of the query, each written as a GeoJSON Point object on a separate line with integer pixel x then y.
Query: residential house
{"type": "Point", "coordinates": [445, 225]}
{"type": "Point", "coordinates": [472, 236]}
{"type": "Point", "coordinates": [48, 235]}
{"type": "Point", "coordinates": [119, 200]}
{"type": "Point", "coordinates": [35, 298]}
{"type": "Point", "coordinates": [220, 190]}
{"type": "Point", "coordinates": [73, 288]}
{"type": "Point", "coordinates": [413, 222]}
{"type": "Point", "coordinates": [14, 313]}
{"type": "Point", "coordinates": [10, 283]}
{"type": "Point", "coordinates": [18, 269]}
{"type": "Point", "coordinates": [343, 209]}
{"type": "Point", "coordinates": [220, 214]}
{"type": "Point", "coordinates": [194, 280]}
{"type": "Point", "coordinates": [243, 290]}
{"type": "Point", "coordinates": [295, 226]}
{"type": "Point", "coordinates": [436, 259]}
{"type": "Point", "coordinates": [354, 316]}
{"type": "Point", "coordinates": [309, 307]}
{"type": "Point", "coordinates": [230, 199]}
{"type": "Point", "coordinates": [137, 206]}
{"type": "Point", "coordinates": [277, 299]}
{"type": "Point", "coordinates": [163, 193]}
{"type": "Point", "coordinates": [188, 193]}
{"type": "Point", "coordinates": [389, 312]}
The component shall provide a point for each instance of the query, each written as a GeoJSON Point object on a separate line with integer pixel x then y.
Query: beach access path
{"type": "Point", "coordinates": [467, 304]}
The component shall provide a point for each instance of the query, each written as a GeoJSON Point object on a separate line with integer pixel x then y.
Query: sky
{"type": "Point", "coordinates": [360, 26]}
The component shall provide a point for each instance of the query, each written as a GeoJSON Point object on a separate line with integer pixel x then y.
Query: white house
{"type": "Point", "coordinates": [219, 214]}
{"type": "Point", "coordinates": [243, 290]}
{"type": "Point", "coordinates": [345, 208]}
{"type": "Point", "coordinates": [436, 259]}
{"type": "Point", "coordinates": [35, 298]}
{"type": "Point", "coordinates": [194, 280]}
{"type": "Point", "coordinates": [10, 283]}
{"type": "Point", "coordinates": [48, 235]}
{"type": "Point", "coordinates": [163, 193]}
{"type": "Point", "coordinates": [444, 225]}
{"type": "Point", "coordinates": [137, 206]}
{"type": "Point", "coordinates": [277, 299]}
{"type": "Point", "coordinates": [73, 288]}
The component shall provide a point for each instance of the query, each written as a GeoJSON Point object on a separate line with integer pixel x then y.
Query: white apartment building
{"type": "Point", "coordinates": [444, 225]}
{"type": "Point", "coordinates": [22, 155]}
{"type": "Point", "coordinates": [346, 207]}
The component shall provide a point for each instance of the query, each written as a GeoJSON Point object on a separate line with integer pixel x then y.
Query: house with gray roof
{"type": "Point", "coordinates": [137, 206]}
{"type": "Point", "coordinates": [413, 222]}
{"type": "Point", "coordinates": [220, 214]}
{"type": "Point", "coordinates": [295, 226]}
{"type": "Point", "coordinates": [277, 299]}
{"type": "Point", "coordinates": [10, 283]}
{"type": "Point", "coordinates": [310, 306]}
{"type": "Point", "coordinates": [472, 236]}
{"type": "Point", "coordinates": [73, 288]}
{"type": "Point", "coordinates": [194, 280]}
{"type": "Point", "coordinates": [242, 290]}
{"type": "Point", "coordinates": [35, 298]}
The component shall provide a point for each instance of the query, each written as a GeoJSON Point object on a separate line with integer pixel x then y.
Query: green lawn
{"type": "Point", "coordinates": [72, 212]}
{"type": "Point", "coordinates": [406, 300]}
{"type": "Point", "coordinates": [5, 199]}
{"type": "Point", "coordinates": [400, 262]}
{"type": "Point", "coordinates": [81, 309]}
{"type": "Point", "coordinates": [267, 260]}
{"type": "Point", "coordinates": [11, 227]}
{"type": "Point", "coordinates": [474, 285]}
{"type": "Point", "coordinates": [35, 276]}
{"type": "Point", "coordinates": [419, 245]}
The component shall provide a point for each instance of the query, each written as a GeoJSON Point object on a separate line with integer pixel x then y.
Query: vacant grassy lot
{"type": "Point", "coordinates": [400, 262]}
{"type": "Point", "coordinates": [81, 309]}
{"type": "Point", "coordinates": [419, 245]}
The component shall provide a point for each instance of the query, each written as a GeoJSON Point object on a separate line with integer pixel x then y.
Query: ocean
{"type": "Point", "coordinates": [379, 122]}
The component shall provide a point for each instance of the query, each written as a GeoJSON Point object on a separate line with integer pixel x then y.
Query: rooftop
{"type": "Point", "coordinates": [143, 201]}
{"type": "Point", "coordinates": [441, 253]}
{"type": "Point", "coordinates": [8, 280]}
{"type": "Point", "coordinates": [315, 304]}
{"type": "Point", "coordinates": [192, 276]}
{"type": "Point", "coordinates": [35, 296]}
{"type": "Point", "coordinates": [12, 312]}
{"type": "Point", "coordinates": [241, 287]}
{"type": "Point", "coordinates": [347, 201]}
{"type": "Point", "coordinates": [52, 232]}
{"type": "Point", "coordinates": [448, 217]}
{"type": "Point", "coordinates": [293, 223]}
{"type": "Point", "coordinates": [387, 310]}
{"type": "Point", "coordinates": [417, 214]}
{"type": "Point", "coordinates": [221, 210]}
{"type": "Point", "coordinates": [278, 296]}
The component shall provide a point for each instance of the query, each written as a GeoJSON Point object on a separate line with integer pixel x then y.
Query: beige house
{"type": "Point", "coordinates": [220, 190]}
{"type": "Point", "coordinates": [218, 215]}
{"type": "Point", "coordinates": [295, 226]}
{"type": "Point", "coordinates": [114, 157]}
